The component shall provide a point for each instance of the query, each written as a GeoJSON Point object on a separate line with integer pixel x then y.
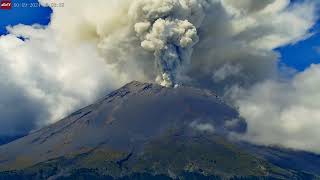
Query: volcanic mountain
{"type": "Point", "coordinates": [146, 131]}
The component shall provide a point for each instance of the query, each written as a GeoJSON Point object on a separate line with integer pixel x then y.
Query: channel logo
{"type": "Point", "coordinates": [5, 4]}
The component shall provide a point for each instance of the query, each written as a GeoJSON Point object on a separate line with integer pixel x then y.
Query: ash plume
{"type": "Point", "coordinates": [168, 29]}
{"type": "Point", "coordinates": [227, 46]}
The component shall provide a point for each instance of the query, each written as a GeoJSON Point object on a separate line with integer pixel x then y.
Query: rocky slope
{"type": "Point", "coordinates": [143, 131]}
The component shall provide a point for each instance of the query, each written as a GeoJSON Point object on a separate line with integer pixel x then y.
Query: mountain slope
{"type": "Point", "coordinates": [124, 119]}
{"type": "Point", "coordinates": [286, 158]}
{"type": "Point", "coordinates": [145, 129]}
{"type": "Point", "coordinates": [8, 139]}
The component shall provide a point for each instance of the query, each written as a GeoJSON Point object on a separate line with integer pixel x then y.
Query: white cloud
{"type": "Point", "coordinates": [54, 78]}
{"type": "Point", "coordinates": [202, 127]}
{"type": "Point", "coordinates": [284, 112]}
{"type": "Point", "coordinates": [89, 48]}
{"type": "Point", "coordinates": [243, 33]}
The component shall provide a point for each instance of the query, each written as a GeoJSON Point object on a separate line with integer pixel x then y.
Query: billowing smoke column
{"type": "Point", "coordinates": [94, 46]}
{"type": "Point", "coordinates": [168, 28]}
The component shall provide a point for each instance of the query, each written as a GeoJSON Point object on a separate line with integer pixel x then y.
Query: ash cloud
{"type": "Point", "coordinates": [225, 45]}
{"type": "Point", "coordinates": [169, 30]}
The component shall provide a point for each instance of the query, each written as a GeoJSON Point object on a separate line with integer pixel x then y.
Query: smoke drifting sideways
{"type": "Point", "coordinates": [139, 29]}
{"type": "Point", "coordinates": [186, 41]}
{"type": "Point", "coordinates": [90, 48]}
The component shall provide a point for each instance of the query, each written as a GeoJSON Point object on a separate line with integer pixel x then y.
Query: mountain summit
{"type": "Point", "coordinates": [124, 119]}
{"type": "Point", "coordinates": [143, 129]}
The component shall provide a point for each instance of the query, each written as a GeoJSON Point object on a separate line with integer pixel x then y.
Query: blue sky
{"type": "Point", "coordinates": [304, 53]}
{"type": "Point", "coordinates": [21, 15]}
{"type": "Point", "coordinates": [298, 56]}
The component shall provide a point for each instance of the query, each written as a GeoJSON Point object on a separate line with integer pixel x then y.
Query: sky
{"type": "Point", "coordinates": [20, 15]}
{"type": "Point", "coordinates": [298, 56]}
{"type": "Point", "coordinates": [303, 53]}
{"type": "Point", "coordinates": [238, 49]}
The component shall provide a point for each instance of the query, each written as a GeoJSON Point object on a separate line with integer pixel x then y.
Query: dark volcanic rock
{"type": "Point", "coordinates": [124, 120]}
{"type": "Point", "coordinates": [8, 139]}
{"type": "Point", "coordinates": [286, 158]}
{"type": "Point", "coordinates": [146, 131]}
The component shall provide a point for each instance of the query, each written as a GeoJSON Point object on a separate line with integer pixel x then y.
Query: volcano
{"type": "Point", "coordinates": [147, 131]}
